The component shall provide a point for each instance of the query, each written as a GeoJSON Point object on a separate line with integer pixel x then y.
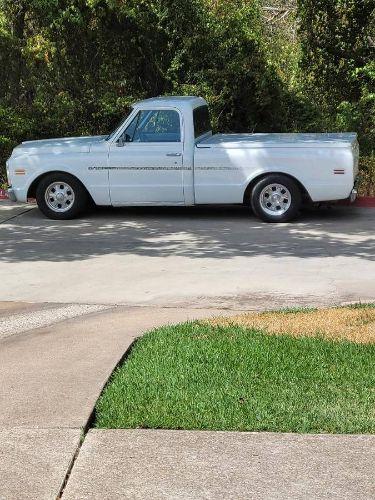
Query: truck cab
{"type": "Point", "coordinates": [151, 155]}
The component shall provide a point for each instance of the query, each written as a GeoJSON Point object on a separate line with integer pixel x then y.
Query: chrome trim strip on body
{"type": "Point", "coordinates": [162, 168]}
{"type": "Point", "coordinates": [139, 168]}
{"type": "Point", "coordinates": [218, 168]}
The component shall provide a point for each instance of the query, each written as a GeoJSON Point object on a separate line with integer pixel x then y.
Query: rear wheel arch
{"type": "Point", "coordinates": [247, 195]}
{"type": "Point", "coordinates": [276, 198]}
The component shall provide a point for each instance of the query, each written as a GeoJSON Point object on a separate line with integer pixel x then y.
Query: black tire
{"type": "Point", "coordinates": [74, 202]}
{"type": "Point", "coordinates": [289, 206]}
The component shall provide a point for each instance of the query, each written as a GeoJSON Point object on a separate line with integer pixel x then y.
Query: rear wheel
{"type": "Point", "coordinates": [276, 198]}
{"type": "Point", "coordinates": [61, 196]}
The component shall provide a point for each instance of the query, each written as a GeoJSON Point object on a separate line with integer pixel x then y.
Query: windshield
{"type": "Point", "coordinates": [118, 126]}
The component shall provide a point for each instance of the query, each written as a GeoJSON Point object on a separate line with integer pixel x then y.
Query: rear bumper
{"type": "Point", "coordinates": [354, 192]}
{"type": "Point", "coordinates": [11, 194]}
{"type": "Point", "coordinates": [353, 195]}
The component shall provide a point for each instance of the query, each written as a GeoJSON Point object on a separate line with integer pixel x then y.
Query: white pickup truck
{"type": "Point", "coordinates": [164, 153]}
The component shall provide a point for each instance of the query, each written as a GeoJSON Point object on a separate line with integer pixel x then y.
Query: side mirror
{"type": "Point", "coordinates": [123, 140]}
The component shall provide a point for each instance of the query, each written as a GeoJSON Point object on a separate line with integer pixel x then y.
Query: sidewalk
{"type": "Point", "coordinates": [152, 464]}
{"type": "Point", "coordinates": [51, 378]}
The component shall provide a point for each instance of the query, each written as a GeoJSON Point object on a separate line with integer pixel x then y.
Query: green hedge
{"type": "Point", "coordinates": [367, 173]}
{"type": "Point", "coordinates": [73, 67]}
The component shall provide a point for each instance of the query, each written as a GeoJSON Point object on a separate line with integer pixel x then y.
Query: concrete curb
{"type": "Point", "coordinates": [366, 201]}
{"type": "Point", "coordinates": [361, 201]}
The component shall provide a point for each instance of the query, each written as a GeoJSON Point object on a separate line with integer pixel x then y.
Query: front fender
{"type": "Point", "coordinates": [24, 184]}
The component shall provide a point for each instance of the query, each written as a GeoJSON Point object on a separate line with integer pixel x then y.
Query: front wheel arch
{"type": "Point", "coordinates": [61, 196]}
{"type": "Point", "coordinates": [31, 192]}
{"type": "Point", "coordinates": [248, 191]}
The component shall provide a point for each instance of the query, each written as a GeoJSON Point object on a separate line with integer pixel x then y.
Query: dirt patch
{"type": "Point", "coordinates": [342, 323]}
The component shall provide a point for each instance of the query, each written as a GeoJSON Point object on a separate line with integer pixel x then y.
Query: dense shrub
{"type": "Point", "coordinates": [338, 71]}
{"type": "Point", "coordinates": [71, 67]}
{"type": "Point", "coordinates": [337, 41]}
{"type": "Point", "coordinates": [367, 173]}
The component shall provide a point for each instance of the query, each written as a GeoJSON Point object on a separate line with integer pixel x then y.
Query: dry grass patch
{"type": "Point", "coordinates": [356, 324]}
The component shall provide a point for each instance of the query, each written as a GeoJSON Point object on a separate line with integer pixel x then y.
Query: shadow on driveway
{"type": "Point", "coordinates": [192, 232]}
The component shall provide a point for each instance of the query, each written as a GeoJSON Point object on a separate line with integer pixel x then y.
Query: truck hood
{"type": "Point", "coordinates": [55, 146]}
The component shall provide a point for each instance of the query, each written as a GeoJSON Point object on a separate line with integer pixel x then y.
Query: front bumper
{"type": "Point", "coordinates": [11, 194]}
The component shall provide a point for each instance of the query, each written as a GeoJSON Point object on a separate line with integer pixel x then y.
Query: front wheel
{"type": "Point", "coordinates": [276, 198]}
{"type": "Point", "coordinates": [61, 196]}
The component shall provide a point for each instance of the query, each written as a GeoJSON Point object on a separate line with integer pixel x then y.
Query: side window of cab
{"type": "Point", "coordinates": [154, 126]}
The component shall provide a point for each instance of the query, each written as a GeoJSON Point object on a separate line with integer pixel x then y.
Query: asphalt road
{"type": "Point", "coordinates": [190, 257]}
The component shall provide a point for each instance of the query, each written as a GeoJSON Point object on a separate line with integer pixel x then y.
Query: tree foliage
{"type": "Point", "coordinates": [74, 66]}
{"type": "Point", "coordinates": [338, 49]}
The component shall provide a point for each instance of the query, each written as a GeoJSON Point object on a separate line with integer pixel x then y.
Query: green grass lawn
{"type": "Point", "coordinates": [199, 376]}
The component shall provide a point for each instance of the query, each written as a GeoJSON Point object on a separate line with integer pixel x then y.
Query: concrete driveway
{"type": "Point", "coordinates": [190, 257]}
{"type": "Point", "coordinates": [58, 349]}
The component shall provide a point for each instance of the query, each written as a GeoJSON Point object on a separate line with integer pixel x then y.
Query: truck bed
{"type": "Point", "coordinates": [234, 141]}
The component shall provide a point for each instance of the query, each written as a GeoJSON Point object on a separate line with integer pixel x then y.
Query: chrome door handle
{"type": "Point", "coordinates": [174, 154]}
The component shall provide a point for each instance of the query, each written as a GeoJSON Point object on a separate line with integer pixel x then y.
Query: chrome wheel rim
{"type": "Point", "coordinates": [275, 199]}
{"type": "Point", "coordinates": [59, 197]}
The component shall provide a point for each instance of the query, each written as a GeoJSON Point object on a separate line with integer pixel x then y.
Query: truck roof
{"type": "Point", "coordinates": [173, 100]}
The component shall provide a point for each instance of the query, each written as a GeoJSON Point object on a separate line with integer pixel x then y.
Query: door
{"type": "Point", "coordinates": [146, 162]}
